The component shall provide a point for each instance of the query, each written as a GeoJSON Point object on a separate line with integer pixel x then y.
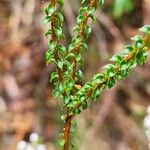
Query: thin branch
{"type": "Point", "coordinates": [81, 33]}
{"type": "Point", "coordinates": [102, 84]}
{"type": "Point", "coordinates": [54, 38]}
{"type": "Point", "coordinates": [67, 128]}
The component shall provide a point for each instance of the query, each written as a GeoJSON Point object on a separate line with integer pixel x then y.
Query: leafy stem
{"type": "Point", "coordinates": [74, 96]}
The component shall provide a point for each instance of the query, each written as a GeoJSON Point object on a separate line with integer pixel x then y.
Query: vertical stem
{"type": "Point", "coordinates": [81, 33]}
{"type": "Point", "coordinates": [67, 128]}
{"type": "Point", "coordinates": [56, 55]}
{"type": "Point", "coordinates": [69, 117]}
{"type": "Point", "coordinates": [53, 2]}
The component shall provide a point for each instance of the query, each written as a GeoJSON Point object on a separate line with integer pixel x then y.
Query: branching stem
{"type": "Point", "coordinates": [67, 128]}
{"type": "Point", "coordinates": [66, 62]}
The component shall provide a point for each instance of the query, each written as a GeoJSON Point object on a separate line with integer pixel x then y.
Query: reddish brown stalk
{"type": "Point", "coordinates": [53, 2]}
{"type": "Point", "coordinates": [54, 38]}
{"type": "Point", "coordinates": [69, 118]}
{"type": "Point", "coordinates": [76, 50]}
{"type": "Point", "coordinates": [89, 93]}
{"type": "Point", "coordinates": [66, 129]}
{"type": "Point", "coordinates": [74, 68]}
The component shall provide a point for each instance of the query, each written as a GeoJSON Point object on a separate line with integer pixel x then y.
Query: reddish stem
{"type": "Point", "coordinates": [67, 128]}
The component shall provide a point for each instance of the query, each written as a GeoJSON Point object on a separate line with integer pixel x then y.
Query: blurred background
{"type": "Point", "coordinates": [30, 117]}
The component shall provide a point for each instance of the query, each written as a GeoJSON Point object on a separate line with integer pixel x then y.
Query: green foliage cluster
{"type": "Point", "coordinates": [121, 68]}
{"type": "Point", "coordinates": [68, 74]}
{"type": "Point", "coordinates": [62, 57]}
{"type": "Point", "coordinates": [122, 6]}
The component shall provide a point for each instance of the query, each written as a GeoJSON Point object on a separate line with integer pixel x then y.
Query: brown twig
{"type": "Point", "coordinates": [98, 85]}
{"type": "Point", "coordinates": [69, 117]}
{"type": "Point", "coordinates": [67, 128]}
{"type": "Point", "coordinates": [81, 33]}
{"type": "Point", "coordinates": [54, 38]}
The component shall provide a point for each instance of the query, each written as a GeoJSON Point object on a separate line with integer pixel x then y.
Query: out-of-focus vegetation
{"type": "Point", "coordinates": [121, 7]}
{"type": "Point", "coordinates": [26, 104]}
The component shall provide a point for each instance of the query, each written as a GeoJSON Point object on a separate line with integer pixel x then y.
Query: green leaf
{"type": "Point", "coordinates": [61, 142]}
{"type": "Point", "coordinates": [91, 10]}
{"type": "Point", "coordinates": [88, 86]}
{"type": "Point", "coordinates": [59, 16]}
{"type": "Point", "coordinates": [128, 49]}
{"type": "Point", "coordinates": [125, 73]}
{"type": "Point", "coordinates": [56, 93]}
{"type": "Point", "coordinates": [111, 73]}
{"type": "Point", "coordinates": [60, 2]}
{"type": "Point", "coordinates": [75, 102]}
{"type": "Point", "coordinates": [123, 65]}
{"type": "Point", "coordinates": [76, 28]}
{"type": "Point", "coordinates": [92, 17]}
{"type": "Point", "coordinates": [110, 82]}
{"type": "Point", "coordinates": [76, 39]}
{"type": "Point", "coordinates": [60, 63]}
{"type": "Point", "coordinates": [72, 46]}
{"type": "Point", "coordinates": [84, 105]}
{"type": "Point", "coordinates": [83, 1]}
{"type": "Point", "coordinates": [79, 74]}
{"type": "Point", "coordinates": [87, 32]}
{"type": "Point", "coordinates": [74, 126]}
{"type": "Point", "coordinates": [82, 10]}
{"type": "Point", "coordinates": [63, 117]}
{"type": "Point", "coordinates": [96, 93]}
{"type": "Point", "coordinates": [116, 58]}
{"type": "Point", "coordinates": [99, 78]}
{"type": "Point", "coordinates": [78, 57]}
{"type": "Point", "coordinates": [76, 111]}
{"type": "Point", "coordinates": [141, 57]}
{"type": "Point", "coordinates": [49, 32]}
{"type": "Point", "coordinates": [118, 76]}
{"type": "Point", "coordinates": [60, 88]}
{"type": "Point", "coordinates": [137, 38]}
{"type": "Point", "coordinates": [70, 66]}
{"type": "Point", "coordinates": [58, 32]}
{"type": "Point", "coordinates": [67, 100]}
{"type": "Point", "coordinates": [110, 70]}
{"type": "Point", "coordinates": [132, 64]}
{"type": "Point", "coordinates": [145, 29]}
{"type": "Point", "coordinates": [138, 45]}
{"type": "Point", "coordinates": [69, 85]}
{"type": "Point", "coordinates": [70, 55]}
{"type": "Point", "coordinates": [52, 44]}
{"type": "Point", "coordinates": [84, 46]}
{"type": "Point", "coordinates": [108, 66]}
{"type": "Point", "coordinates": [100, 2]}
{"type": "Point", "coordinates": [54, 76]}
{"type": "Point", "coordinates": [49, 56]}
{"type": "Point", "coordinates": [81, 95]}
{"type": "Point", "coordinates": [62, 50]}
{"type": "Point", "coordinates": [49, 9]}
{"type": "Point", "coordinates": [80, 19]}
{"type": "Point", "coordinates": [47, 19]}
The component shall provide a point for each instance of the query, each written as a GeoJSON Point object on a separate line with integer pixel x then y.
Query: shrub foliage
{"type": "Point", "coordinates": [68, 74]}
